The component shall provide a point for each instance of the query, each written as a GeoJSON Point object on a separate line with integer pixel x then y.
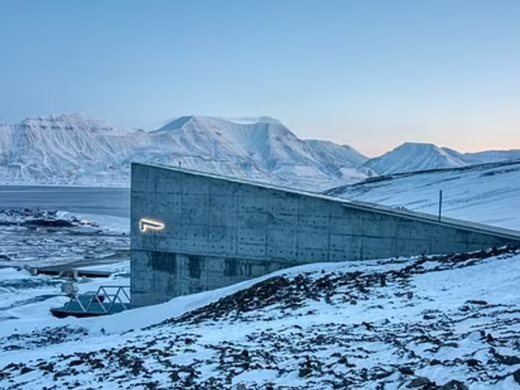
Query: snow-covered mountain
{"type": "Point", "coordinates": [488, 193]}
{"type": "Point", "coordinates": [77, 149]}
{"type": "Point", "coordinates": [490, 156]}
{"type": "Point", "coordinates": [263, 150]}
{"type": "Point", "coordinates": [66, 148]}
{"type": "Point", "coordinates": [412, 157]}
{"type": "Point", "coordinates": [5, 143]}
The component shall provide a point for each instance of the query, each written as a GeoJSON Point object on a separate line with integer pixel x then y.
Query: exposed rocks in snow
{"type": "Point", "coordinates": [38, 237]}
{"type": "Point", "coordinates": [38, 338]}
{"type": "Point", "coordinates": [437, 322]}
{"type": "Point", "coordinates": [343, 288]}
{"type": "Point", "coordinates": [516, 376]}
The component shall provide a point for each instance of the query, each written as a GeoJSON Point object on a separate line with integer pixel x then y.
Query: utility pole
{"type": "Point", "coordinates": [440, 204]}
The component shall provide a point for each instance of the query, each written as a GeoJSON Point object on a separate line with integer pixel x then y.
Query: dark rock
{"type": "Point", "coordinates": [516, 376]}
{"type": "Point", "coordinates": [382, 375]}
{"type": "Point", "coordinates": [505, 359]}
{"type": "Point", "coordinates": [49, 223]}
{"type": "Point", "coordinates": [452, 345]}
{"type": "Point", "coordinates": [477, 302]}
{"type": "Point", "coordinates": [454, 385]}
{"type": "Point", "coordinates": [304, 372]}
{"type": "Point", "coordinates": [25, 370]}
{"type": "Point", "coordinates": [406, 370]}
{"type": "Point", "coordinates": [473, 362]}
{"type": "Point", "coordinates": [419, 382]}
{"type": "Point", "coordinates": [343, 360]}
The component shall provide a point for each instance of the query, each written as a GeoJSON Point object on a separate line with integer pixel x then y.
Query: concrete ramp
{"type": "Point", "coordinates": [192, 231]}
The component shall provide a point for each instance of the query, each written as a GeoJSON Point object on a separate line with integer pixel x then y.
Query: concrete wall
{"type": "Point", "coordinates": [220, 231]}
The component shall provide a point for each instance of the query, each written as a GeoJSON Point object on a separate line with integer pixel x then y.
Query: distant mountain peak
{"type": "Point", "coordinates": [251, 120]}
{"type": "Point", "coordinates": [418, 145]}
{"type": "Point", "coordinates": [415, 156]}
{"type": "Point", "coordinates": [205, 121]}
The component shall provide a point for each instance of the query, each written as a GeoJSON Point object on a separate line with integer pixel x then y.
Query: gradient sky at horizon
{"type": "Point", "coordinates": [371, 74]}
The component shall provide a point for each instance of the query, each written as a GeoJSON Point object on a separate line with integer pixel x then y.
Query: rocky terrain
{"type": "Point", "coordinates": [33, 237]}
{"type": "Point", "coordinates": [438, 322]}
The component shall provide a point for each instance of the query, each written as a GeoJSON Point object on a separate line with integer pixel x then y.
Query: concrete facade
{"type": "Point", "coordinates": [218, 231]}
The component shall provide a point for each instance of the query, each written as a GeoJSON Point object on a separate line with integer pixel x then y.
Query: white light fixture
{"type": "Point", "coordinates": [146, 224]}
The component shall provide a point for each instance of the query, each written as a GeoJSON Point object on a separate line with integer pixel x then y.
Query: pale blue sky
{"type": "Point", "coordinates": [372, 74]}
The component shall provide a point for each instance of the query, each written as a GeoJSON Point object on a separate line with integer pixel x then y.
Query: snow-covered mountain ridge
{"type": "Point", "coordinates": [76, 149]}
{"type": "Point", "coordinates": [412, 157]}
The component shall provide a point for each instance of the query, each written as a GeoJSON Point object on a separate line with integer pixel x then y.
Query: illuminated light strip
{"type": "Point", "coordinates": [150, 225]}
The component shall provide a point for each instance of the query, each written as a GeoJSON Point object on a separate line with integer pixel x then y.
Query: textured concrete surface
{"type": "Point", "coordinates": [218, 231]}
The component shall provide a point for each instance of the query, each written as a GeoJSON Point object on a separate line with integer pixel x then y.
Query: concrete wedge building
{"type": "Point", "coordinates": [192, 231]}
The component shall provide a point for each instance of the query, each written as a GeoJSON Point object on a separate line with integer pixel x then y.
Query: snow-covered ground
{"type": "Point", "coordinates": [442, 322]}
{"type": "Point", "coordinates": [31, 238]}
{"type": "Point", "coordinates": [449, 321]}
{"type": "Point", "coordinates": [27, 238]}
{"type": "Point", "coordinates": [488, 193]}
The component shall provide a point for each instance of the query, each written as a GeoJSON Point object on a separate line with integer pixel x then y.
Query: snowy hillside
{"type": "Point", "coordinates": [266, 151]}
{"type": "Point", "coordinates": [67, 149]}
{"type": "Point", "coordinates": [5, 143]}
{"type": "Point", "coordinates": [381, 324]}
{"type": "Point", "coordinates": [412, 157]}
{"type": "Point", "coordinates": [486, 193]}
{"type": "Point", "coordinates": [491, 156]}
{"type": "Point", "coordinates": [77, 149]}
